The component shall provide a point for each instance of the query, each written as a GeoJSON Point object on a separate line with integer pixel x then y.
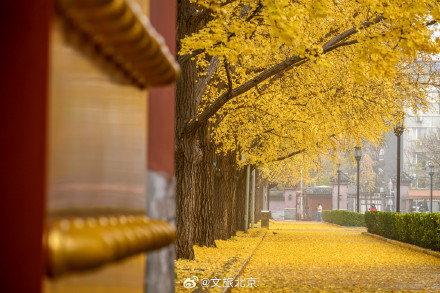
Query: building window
{"type": "Point", "coordinates": [410, 133]}
{"type": "Point", "coordinates": [414, 158]}
{"type": "Point", "coordinates": [420, 132]}
{"type": "Point", "coordinates": [418, 158]}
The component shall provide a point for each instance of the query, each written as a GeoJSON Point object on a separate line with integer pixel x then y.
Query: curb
{"type": "Point", "coordinates": [333, 224]}
{"type": "Point", "coordinates": [349, 227]}
{"type": "Point", "coordinates": [228, 289]}
{"type": "Point", "coordinates": [405, 245]}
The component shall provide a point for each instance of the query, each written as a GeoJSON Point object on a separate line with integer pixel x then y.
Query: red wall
{"type": "Point", "coordinates": [314, 200]}
{"type": "Point", "coordinates": [160, 155]}
{"type": "Point", "coordinates": [24, 33]}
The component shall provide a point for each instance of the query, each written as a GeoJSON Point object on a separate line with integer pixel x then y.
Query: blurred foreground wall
{"type": "Point", "coordinates": [75, 135]}
{"type": "Point", "coordinates": [160, 170]}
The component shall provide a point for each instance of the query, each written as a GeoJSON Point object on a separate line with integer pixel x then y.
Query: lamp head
{"type": "Point", "coordinates": [431, 168]}
{"type": "Point", "coordinates": [399, 123]}
{"type": "Point", "coordinates": [357, 153]}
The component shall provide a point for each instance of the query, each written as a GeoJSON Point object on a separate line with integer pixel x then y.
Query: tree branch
{"type": "Point", "coordinates": [227, 2]}
{"type": "Point", "coordinates": [227, 96]}
{"type": "Point", "coordinates": [297, 152]}
{"type": "Point", "coordinates": [350, 32]}
{"type": "Point", "coordinates": [341, 44]}
{"type": "Point", "coordinates": [199, 16]}
{"type": "Point", "coordinates": [256, 11]}
{"type": "Point", "coordinates": [203, 81]}
{"type": "Point", "coordinates": [279, 68]}
{"type": "Point", "coordinates": [289, 155]}
{"type": "Point", "coordinates": [184, 58]}
{"type": "Point", "coordinates": [228, 74]}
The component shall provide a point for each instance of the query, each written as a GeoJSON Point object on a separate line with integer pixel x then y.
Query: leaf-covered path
{"type": "Point", "coordinates": [315, 257]}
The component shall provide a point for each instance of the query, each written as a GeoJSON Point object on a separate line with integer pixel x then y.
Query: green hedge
{"type": "Point", "coordinates": [344, 218]}
{"type": "Point", "coordinates": [415, 228]}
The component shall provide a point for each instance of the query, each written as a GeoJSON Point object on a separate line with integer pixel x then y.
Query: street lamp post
{"type": "Point", "coordinates": [339, 179]}
{"type": "Point", "coordinates": [357, 156]}
{"type": "Point", "coordinates": [431, 173]}
{"type": "Point", "coordinates": [398, 130]}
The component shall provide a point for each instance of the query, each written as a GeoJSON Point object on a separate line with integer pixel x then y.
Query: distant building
{"type": "Point", "coordinates": [288, 204]}
{"type": "Point", "coordinates": [315, 196]}
{"type": "Point", "coordinates": [276, 203]}
{"type": "Point", "coordinates": [414, 158]}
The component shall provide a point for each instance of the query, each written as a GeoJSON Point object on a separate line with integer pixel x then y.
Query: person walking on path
{"type": "Point", "coordinates": [373, 208]}
{"type": "Point", "coordinates": [319, 209]}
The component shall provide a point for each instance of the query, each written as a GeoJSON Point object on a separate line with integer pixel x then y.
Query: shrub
{"type": "Point", "coordinates": [418, 229]}
{"type": "Point", "coordinates": [344, 218]}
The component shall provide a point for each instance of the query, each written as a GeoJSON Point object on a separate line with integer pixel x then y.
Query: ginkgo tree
{"type": "Point", "coordinates": [331, 115]}
{"type": "Point", "coordinates": [271, 79]}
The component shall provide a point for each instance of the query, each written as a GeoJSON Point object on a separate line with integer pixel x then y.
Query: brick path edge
{"type": "Point", "coordinates": [228, 289]}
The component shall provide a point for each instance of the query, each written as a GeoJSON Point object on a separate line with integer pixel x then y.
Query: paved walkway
{"type": "Point", "coordinates": [316, 257]}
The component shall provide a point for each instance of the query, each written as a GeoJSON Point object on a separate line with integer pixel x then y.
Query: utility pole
{"type": "Point", "coordinates": [357, 156]}
{"type": "Point", "coordinates": [253, 199]}
{"type": "Point", "coordinates": [268, 199]}
{"type": "Point", "coordinates": [264, 198]}
{"type": "Point", "coordinates": [246, 208]}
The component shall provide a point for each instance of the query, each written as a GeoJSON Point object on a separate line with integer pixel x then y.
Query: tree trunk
{"type": "Point", "coordinates": [218, 195]}
{"type": "Point", "coordinates": [240, 201]}
{"type": "Point", "coordinates": [258, 197]}
{"type": "Point", "coordinates": [188, 154]}
{"type": "Point", "coordinates": [225, 189]}
{"type": "Point", "coordinates": [204, 200]}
